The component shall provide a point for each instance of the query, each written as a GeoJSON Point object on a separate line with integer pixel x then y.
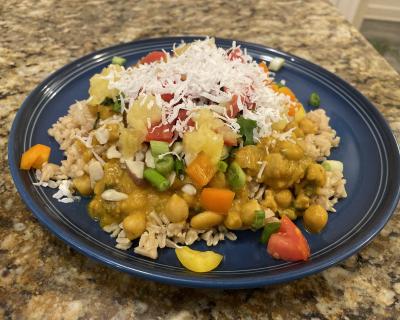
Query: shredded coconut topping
{"type": "Point", "coordinates": [205, 76]}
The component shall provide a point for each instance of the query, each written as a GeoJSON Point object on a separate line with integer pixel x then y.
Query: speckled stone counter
{"type": "Point", "coordinates": [41, 278]}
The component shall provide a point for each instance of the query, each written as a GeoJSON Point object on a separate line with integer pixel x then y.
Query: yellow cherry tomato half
{"type": "Point", "coordinates": [198, 261]}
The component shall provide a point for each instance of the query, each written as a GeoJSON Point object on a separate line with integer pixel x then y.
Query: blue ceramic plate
{"type": "Point", "coordinates": [367, 149]}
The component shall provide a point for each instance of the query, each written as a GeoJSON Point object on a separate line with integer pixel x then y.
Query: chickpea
{"type": "Point", "coordinates": [284, 198]}
{"type": "Point", "coordinates": [299, 133]}
{"type": "Point", "coordinates": [291, 150]}
{"type": "Point", "coordinates": [302, 202]}
{"type": "Point", "coordinates": [315, 218]}
{"type": "Point", "coordinates": [136, 201]}
{"type": "Point", "coordinates": [308, 126]}
{"type": "Point", "coordinates": [218, 181]}
{"type": "Point", "coordinates": [289, 212]}
{"type": "Point", "coordinates": [269, 201]}
{"type": "Point", "coordinates": [206, 220]}
{"type": "Point", "coordinates": [134, 224]}
{"type": "Point", "coordinates": [190, 200]}
{"type": "Point", "coordinates": [233, 220]}
{"type": "Point", "coordinates": [82, 184]}
{"type": "Point", "coordinates": [176, 209]}
{"type": "Point", "coordinates": [99, 187]}
{"type": "Point", "coordinates": [316, 173]}
{"type": "Point", "coordinates": [247, 213]}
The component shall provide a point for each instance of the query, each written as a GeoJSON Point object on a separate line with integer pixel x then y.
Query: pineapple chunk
{"type": "Point", "coordinates": [143, 108]}
{"type": "Point", "coordinates": [204, 138]}
{"type": "Point", "coordinates": [300, 113]}
{"type": "Point", "coordinates": [98, 89]}
{"type": "Point", "coordinates": [130, 141]}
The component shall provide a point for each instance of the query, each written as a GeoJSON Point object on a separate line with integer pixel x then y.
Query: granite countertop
{"type": "Point", "coordinates": [42, 278]}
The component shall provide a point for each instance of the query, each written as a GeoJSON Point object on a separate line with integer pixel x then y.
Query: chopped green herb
{"type": "Point", "coordinates": [259, 219]}
{"type": "Point", "coordinates": [116, 107]}
{"type": "Point", "coordinates": [179, 168]}
{"type": "Point", "coordinates": [222, 166]}
{"type": "Point", "coordinates": [269, 229]}
{"type": "Point", "coordinates": [246, 130]}
{"type": "Point", "coordinates": [314, 100]}
{"type": "Point", "coordinates": [118, 60]}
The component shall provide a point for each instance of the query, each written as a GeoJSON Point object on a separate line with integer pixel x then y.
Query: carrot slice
{"type": "Point", "coordinates": [216, 199]}
{"type": "Point", "coordinates": [201, 170]}
{"type": "Point", "coordinates": [35, 157]}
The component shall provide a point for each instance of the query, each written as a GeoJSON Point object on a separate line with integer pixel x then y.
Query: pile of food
{"type": "Point", "coordinates": [192, 145]}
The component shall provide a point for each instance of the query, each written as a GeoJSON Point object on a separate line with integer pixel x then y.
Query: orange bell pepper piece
{"type": "Point", "coordinates": [201, 170]}
{"type": "Point", "coordinates": [35, 157]}
{"type": "Point", "coordinates": [216, 199]}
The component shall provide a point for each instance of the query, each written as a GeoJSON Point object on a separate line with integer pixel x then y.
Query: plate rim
{"type": "Point", "coordinates": [189, 280]}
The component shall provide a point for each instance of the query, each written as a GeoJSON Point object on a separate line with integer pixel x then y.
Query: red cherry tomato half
{"type": "Point", "coordinates": [160, 133]}
{"type": "Point", "coordinates": [167, 97]}
{"type": "Point", "coordinates": [288, 244]}
{"type": "Point", "coordinates": [153, 57]}
{"type": "Point", "coordinates": [236, 54]}
{"type": "Point", "coordinates": [182, 115]}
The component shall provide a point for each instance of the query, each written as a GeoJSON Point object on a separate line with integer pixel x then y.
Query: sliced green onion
{"type": "Point", "coordinates": [116, 107]}
{"type": "Point", "coordinates": [179, 168]}
{"type": "Point", "coordinates": [118, 60]}
{"type": "Point", "coordinates": [236, 176]}
{"type": "Point", "coordinates": [225, 152]}
{"type": "Point", "coordinates": [259, 219]}
{"type": "Point", "coordinates": [332, 165]}
{"type": "Point", "coordinates": [246, 130]}
{"type": "Point", "coordinates": [276, 64]}
{"type": "Point", "coordinates": [314, 100]}
{"type": "Point", "coordinates": [269, 229]}
{"type": "Point", "coordinates": [222, 166]}
{"type": "Point", "coordinates": [158, 147]}
{"type": "Point", "coordinates": [165, 165]}
{"type": "Point", "coordinates": [156, 179]}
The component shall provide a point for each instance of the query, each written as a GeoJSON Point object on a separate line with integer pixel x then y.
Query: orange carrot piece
{"type": "Point", "coordinates": [216, 199]}
{"type": "Point", "coordinates": [35, 157]}
{"type": "Point", "coordinates": [201, 170]}
{"type": "Point", "coordinates": [263, 66]}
